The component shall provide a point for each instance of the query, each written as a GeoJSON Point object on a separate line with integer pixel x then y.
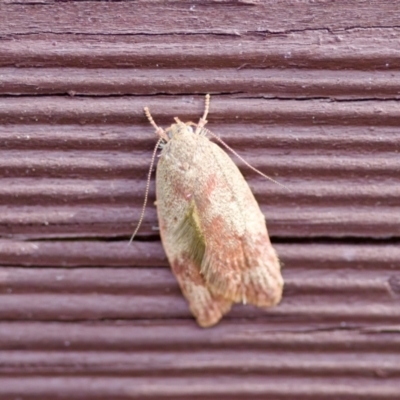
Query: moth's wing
{"type": "Point", "coordinates": [248, 274]}
{"type": "Point", "coordinates": [183, 241]}
{"type": "Point", "coordinates": [206, 307]}
{"type": "Point", "coordinates": [188, 249]}
{"type": "Point", "coordinates": [239, 262]}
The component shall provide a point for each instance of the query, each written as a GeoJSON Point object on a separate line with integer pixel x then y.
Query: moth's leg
{"type": "Point", "coordinates": [208, 309]}
{"type": "Point", "coordinates": [159, 131]}
{"type": "Point", "coordinates": [161, 145]}
{"type": "Point", "coordinates": [203, 120]}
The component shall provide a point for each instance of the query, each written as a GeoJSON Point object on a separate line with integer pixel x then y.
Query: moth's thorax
{"type": "Point", "coordinates": [182, 143]}
{"type": "Point", "coordinates": [179, 131]}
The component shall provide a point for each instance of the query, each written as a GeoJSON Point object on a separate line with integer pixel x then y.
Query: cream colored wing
{"type": "Point", "coordinates": [239, 261]}
{"type": "Point", "coordinates": [183, 241]}
{"type": "Point", "coordinates": [213, 231]}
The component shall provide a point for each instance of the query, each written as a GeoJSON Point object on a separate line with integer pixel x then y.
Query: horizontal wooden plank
{"type": "Point", "coordinates": [307, 308]}
{"type": "Point", "coordinates": [81, 253]}
{"type": "Point", "coordinates": [358, 49]}
{"type": "Point", "coordinates": [183, 335]}
{"type": "Point", "coordinates": [150, 281]}
{"type": "Point", "coordinates": [224, 387]}
{"type": "Point", "coordinates": [139, 140]}
{"type": "Point", "coordinates": [228, 18]}
{"type": "Point", "coordinates": [120, 192]}
{"type": "Point", "coordinates": [103, 165]}
{"type": "Point", "coordinates": [283, 83]}
{"type": "Point", "coordinates": [129, 110]}
{"type": "Point", "coordinates": [189, 363]}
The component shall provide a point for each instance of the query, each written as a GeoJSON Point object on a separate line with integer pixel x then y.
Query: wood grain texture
{"type": "Point", "coordinates": [198, 17]}
{"type": "Point", "coordinates": [359, 49]}
{"type": "Point", "coordinates": [88, 179]}
{"type": "Point", "coordinates": [306, 91]}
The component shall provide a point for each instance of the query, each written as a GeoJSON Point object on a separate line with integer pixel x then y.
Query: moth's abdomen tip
{"type": "Point", "coordinates": [214, 313]}
{"type": "Point", "coordinates": [208, 322]}
{"type": "Point", "coordinates": [273, 296]}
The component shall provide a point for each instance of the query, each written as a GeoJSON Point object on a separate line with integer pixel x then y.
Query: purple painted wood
{"type": "Point", "coordinates": [305, 91]}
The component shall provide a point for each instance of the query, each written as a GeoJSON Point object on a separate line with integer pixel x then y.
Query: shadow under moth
{"type": "Point", "coordinates": [211, 226]}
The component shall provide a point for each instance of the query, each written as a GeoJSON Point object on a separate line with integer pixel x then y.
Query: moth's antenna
{"type": "Point", "coordinates": [160, 131]}
{"type": "Point", "coordinates": [203, 120]}
{"type": "Point", "coordinates": [207, 106]}
{"type": "Point", "coordinates": [242, 159]}
{"type": "Point", "coordinates": [153, 157]}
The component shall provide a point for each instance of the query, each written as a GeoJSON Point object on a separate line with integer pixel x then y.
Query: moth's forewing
{"type": "Point", "coordinates": [239, 262]}
{"type": "Point", "coordinates": [181, 233]}
{"type": "Point", "coordinates": [212, 229]}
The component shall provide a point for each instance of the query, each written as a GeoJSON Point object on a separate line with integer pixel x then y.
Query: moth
{"type": "Point", "coordinates": [211, 226]}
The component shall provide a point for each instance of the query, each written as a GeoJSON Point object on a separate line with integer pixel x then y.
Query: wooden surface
{"type": "Point", "coordinates": [305, 91]}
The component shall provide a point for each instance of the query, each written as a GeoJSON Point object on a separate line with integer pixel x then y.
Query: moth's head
{"type": "Point", "coordinates": [179, 129]}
